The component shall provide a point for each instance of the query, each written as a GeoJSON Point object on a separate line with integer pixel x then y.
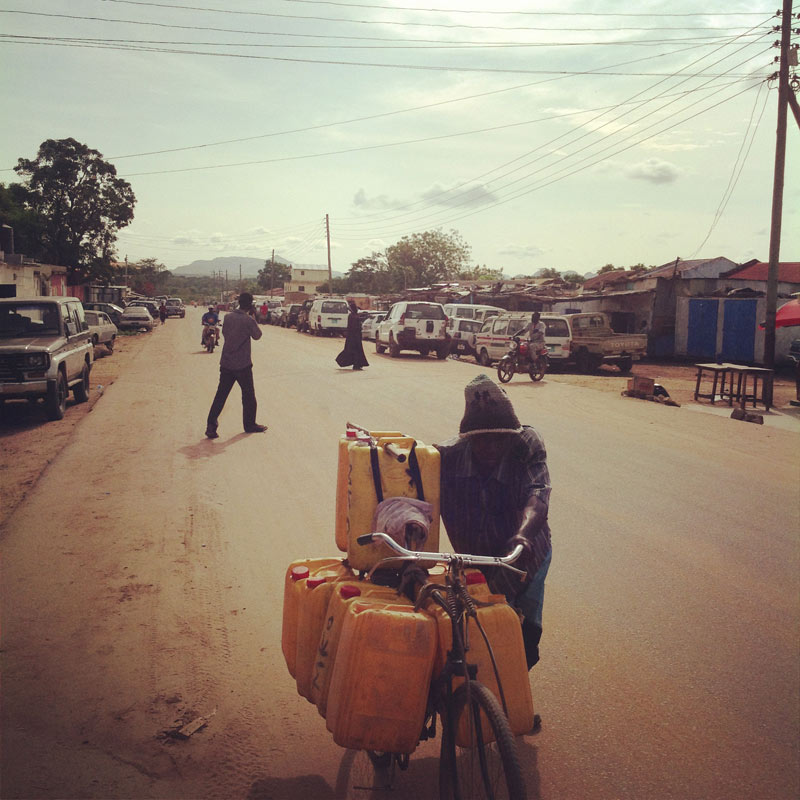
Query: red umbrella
{"type": "Point", "coordinates": [787, 315]}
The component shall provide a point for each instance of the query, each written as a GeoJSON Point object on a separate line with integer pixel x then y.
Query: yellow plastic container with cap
{"type": "Point", "coordinates": [377, 469]}
{"type": "Point", "coordinates": [350, 436]}
{"type": "Point", "coordinates": [293, 587]}
{"type": "Point", "coordinates": [344, 594]}
{"type": "Point", "coordinates": [502, 626]}
{"type": "Point", "coordinates": [381, 676]}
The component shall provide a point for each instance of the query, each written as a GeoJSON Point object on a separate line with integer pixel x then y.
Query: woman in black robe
{"type": "Point", "coordinates": [353, 352]}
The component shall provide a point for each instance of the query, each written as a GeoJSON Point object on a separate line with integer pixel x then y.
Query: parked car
{"type": "Point", "coordinates": [45, 350]}
{"type": "Point", "coordinates": [492, 340]}
{"type": "Point", "coordinates": [275, 315]}
{"type": "Point", "coordinates": [289, 316]}
{"type": "Point", "coordinates": [135, 318]}
{"type": "Point", "coordinates": [328, 316]}
{"type": "Point", "coordinates": [456, 311]}
{"type": "Point", "coordinates": [463, 334]}
{"type": "Point", "coordinates": [102, 329]}
{"type": "Point", "coordinates": [175, 307]}
{"type": "Point", "coordinates": [150, 305]}
{"type": "Point", "coordinates": [114, 311]}
{"type": "Point", "coordinates": [370, 323]}
{"type": "Point", "coordinates": [414, 325]}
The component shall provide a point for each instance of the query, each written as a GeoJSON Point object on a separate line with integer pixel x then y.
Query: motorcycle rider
{"type": "Point", "coordinates": [210, 318]}
{"type": "Point", "coordinates": [535, 332]}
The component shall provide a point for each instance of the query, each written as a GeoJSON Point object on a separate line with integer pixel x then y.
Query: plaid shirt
{"type": "Point", "coordinates": [482, 512]}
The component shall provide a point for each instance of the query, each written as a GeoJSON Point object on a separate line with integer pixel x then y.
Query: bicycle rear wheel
{"type": "Point", "coordinates": [478, 757]}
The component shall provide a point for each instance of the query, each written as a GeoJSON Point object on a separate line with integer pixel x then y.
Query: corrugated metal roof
{"type": "Point", "coordinates": [788, 272]}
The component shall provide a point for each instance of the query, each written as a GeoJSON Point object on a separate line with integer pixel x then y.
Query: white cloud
{"type": "Point", "coordinates": [521, 251]}
{"type": "Point", "coordinates": [377, 203]}
{"type": "Point", "coordinates": [654, 171]}
{"type": "Point", "coordinates": [474, 194]}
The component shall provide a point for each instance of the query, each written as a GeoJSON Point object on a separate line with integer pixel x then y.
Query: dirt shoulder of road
{"type": "Point", "coordinates": [30, 443]}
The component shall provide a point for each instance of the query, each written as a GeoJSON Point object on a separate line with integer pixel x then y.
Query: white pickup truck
{"type": "Point", "coordinates": [593, 342]}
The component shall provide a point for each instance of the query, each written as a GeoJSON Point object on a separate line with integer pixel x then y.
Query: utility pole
{"type": "Point", "coordinates": [126, 270]}
{"type": "Point", "coordinates": [777, 197]}
{"type": "Point", "coordinates": [272, 273]}
{"type": "Point", "coordinates": [328, 236]}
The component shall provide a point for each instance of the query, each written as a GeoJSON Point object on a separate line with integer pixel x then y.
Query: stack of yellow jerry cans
{"type": "Point", "coordinates": [358, 650]}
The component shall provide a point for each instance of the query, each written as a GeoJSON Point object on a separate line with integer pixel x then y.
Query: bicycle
{"type": "Point", "coordinates": [478, 757]}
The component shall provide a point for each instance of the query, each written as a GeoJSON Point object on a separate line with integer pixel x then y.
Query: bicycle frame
{"type": "Point", "coordinates": [464, 703]}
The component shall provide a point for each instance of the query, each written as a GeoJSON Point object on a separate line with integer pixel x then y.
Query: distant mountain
{"type": "Point", "coordinates": [207, 267]}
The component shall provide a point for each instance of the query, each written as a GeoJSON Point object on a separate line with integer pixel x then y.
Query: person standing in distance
{"type": "Point", "coordinates": [236, 366]}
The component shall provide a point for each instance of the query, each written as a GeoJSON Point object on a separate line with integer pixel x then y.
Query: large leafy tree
{"type": "Point", "coordinates": [149, 277]}
{"type": "Point", "coordinates": [26, 224]}
{"type": "Point", "coordinates": [81, 202]}
{"type": "Point", "coordinates": [425, 258]}
{"type": "Point", "coordinates": [273, 275]}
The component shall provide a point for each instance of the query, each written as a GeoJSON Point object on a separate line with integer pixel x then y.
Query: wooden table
{"type": "Point", "coordinates": [729, 382]}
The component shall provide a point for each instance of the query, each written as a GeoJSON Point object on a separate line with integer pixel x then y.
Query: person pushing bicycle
{"type": "Point", "coordinates": [495, 494]}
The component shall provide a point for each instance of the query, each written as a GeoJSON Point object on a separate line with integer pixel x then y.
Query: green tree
{"type": "Point", "coordinates": [548, 272]}
{"type": "Point", "coordinates": [425, 258]}
{"type": "Point", "coordinates": [573, 277]}
{"type": "Point", "coordinates": [149, 277]}
{"type": "Point", "coordinates": [81, 202]}
{"type": "Point", "coordinates": [607, 268]}
{"type": "Point", "coordinates": [273, 275]}
{"type": "Point", "coordinates": [371, 275]}
{"type": "Point", "coordinates": [480, 273]}
{"type": "Point", "coordinates": [27, 224]}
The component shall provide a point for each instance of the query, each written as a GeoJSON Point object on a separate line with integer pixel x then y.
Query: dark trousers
{"type": "Point", "coordinates": [227, 377]}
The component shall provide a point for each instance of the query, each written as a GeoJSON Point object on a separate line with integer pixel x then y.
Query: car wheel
{"type": "Point", "coordinates": [483, 358]}
{"type": "Point", "coordinates": [442, 352]}
{"type": "Point", "coordinates": [110, 345]}
{"type": "Point", "coordinates": [582, 361]}
{"type": "Point", "coordinates": [394, 349]}
{"type": "Point", "coordinates": [55, 404]}
{"type": "Point", "coordinates": [423, 351]}
{"type": "Point", "coordinates": [379, 348]}
{"type": "Point", "coordinates": [95, 340]}
{"type": "Point", "coordinates": [81, 390]}
{"type": "Point", "coordinates": [625, 365]}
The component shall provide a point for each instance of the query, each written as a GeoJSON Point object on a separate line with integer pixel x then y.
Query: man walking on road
{"type": "Point", "coordinates": [236, 366]}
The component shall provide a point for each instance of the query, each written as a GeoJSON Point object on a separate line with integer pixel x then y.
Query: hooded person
{"type": "Point", "coordinates": [495, 494]}
{"type": "Point", "coordinates": [353, 353]}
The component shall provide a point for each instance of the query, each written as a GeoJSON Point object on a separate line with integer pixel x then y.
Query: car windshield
{"type": "Point", "coordinates": [424, 311]}
{"type": "Point", "coordinates": [174, 301]}
{"type": "Point", "coordinates": [469, 325]}
{"type": "Point", "coordinates": [334, 307]}
{"type": "Point", "coordinates": [28, 319]}
{"type": "Point", "coordinates": [556, 327]}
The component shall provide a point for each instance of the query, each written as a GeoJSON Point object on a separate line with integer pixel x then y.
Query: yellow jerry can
{"type": "Point", "coordinates": [350, 437]}
{"type": "Point", "coordinates": [293, 586]}
{"type": "Point", "coordinates": [344, 594]}
{"type": "Point", "coordinates": [381, 676]}
{"type": "Point", "coordinates": [394, 467]}
{"type": "Point", "coordinates": [502, 626]}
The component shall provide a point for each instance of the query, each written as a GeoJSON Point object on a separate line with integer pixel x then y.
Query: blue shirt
{"type": "Point", "coordinates": [481, 512]}
{"type": "Point", "coordinates": [238, 328]}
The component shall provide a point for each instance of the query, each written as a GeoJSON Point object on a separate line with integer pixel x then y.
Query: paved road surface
{"type": "Point", "coordinates": [142, 584]}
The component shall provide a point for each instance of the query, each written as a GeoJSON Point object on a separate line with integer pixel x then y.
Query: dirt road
{"type": "Point", "coordinates": [142, 582]}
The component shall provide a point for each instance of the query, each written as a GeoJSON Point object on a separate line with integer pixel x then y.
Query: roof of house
{"type": "Point", "coordinates": [610, 278]}
{"type": "Point", "coordinates": [671, 268]}
{"type": "Point", "coordinates": [788, 272]}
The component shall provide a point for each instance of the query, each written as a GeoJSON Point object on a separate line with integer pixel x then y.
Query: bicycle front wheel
{"type": "Point", "coordinates": [478, 757]}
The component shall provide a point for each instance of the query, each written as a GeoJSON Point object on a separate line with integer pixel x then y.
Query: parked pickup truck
{"type": "Point", "coordinates": [593, 342]}
{"type": "Point", "coordinates": [45, 351]}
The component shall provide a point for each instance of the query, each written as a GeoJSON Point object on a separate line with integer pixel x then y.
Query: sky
{"type": "Point", "coordinates": [564, 133]}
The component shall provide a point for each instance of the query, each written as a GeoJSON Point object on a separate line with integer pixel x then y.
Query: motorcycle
{"type": "Point", "coordinates": [210, 336]}
{"type": "Point", "coordinates": [522, 356]}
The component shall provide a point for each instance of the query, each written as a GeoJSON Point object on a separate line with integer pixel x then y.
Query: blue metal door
{"type": "Point", "coordinates": [739, 331]}
{"type": "Point", "coordinates": [702, 339]}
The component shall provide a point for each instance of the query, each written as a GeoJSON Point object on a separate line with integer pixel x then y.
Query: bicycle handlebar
{"type": "Point", "coordinates": [446, 558]}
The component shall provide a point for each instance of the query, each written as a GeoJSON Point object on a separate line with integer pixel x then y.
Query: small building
{"type": "Point", "coordinates": [305, 281]}
{"type": "Point", "coordinates": [21, 276]}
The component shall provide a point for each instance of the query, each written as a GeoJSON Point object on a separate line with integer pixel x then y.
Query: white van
{"type": "Point", "coordinates": [456, 311]}
{"type": "Point", "coordinates": [491, 342]}
{"type": "Point", "coordinates": [328, 316]}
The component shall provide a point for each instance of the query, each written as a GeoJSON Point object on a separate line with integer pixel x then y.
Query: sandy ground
{"type": "Point", "coordinates": [143, 571]}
